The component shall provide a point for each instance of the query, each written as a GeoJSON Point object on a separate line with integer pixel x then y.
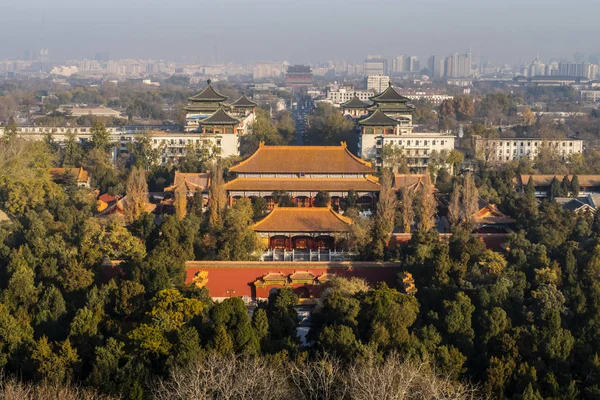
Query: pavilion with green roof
{"type": "Point", "coordinates": [203, 105]}
{"type": "Point", "coordinates": [392, 104]}
{"type": "Point", "coordinates": [243, 106]}
{"type": "Point", "coordinates": [355, 107]}
{"type": "Point", "coordinates": [219, 122]}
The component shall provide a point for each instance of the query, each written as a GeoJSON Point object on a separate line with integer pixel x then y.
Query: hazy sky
{"type": "Point", "coordinates": [299, 30]}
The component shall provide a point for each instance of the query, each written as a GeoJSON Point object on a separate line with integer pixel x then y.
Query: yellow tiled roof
{"type": "Point", "coordinates": [293, 219]}
{"type": "Point", "coordinates": [303, 159]}
{"type": "Point", "coordinates": [303, 184]}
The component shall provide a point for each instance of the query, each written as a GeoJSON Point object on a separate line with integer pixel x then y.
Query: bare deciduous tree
{"type": "Point", "coordinates": [406, 208]}
{"type": "Point", "coordinates": [396, 379]}
{"type": "Point", "coordinates": [11, 389]}
{"type": "Point", "coordinates": [470, 199]}
{"type": "Point", "coordinates": [217, 197]}
{"type": "Point", "coordinates": [137, 195]}
{"type": "Point", "coordinates": [322, 379]}
{"type": "Point", "coordinates": [215, 376]}
{"type": "Point", "coordinates": [181, 201]}
{"type": "Point", "coordinates": [455, 214]}
{"type": "Point", "coordinates": [427, 205]}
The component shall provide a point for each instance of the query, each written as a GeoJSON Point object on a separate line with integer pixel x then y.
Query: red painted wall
{"type": "Point", "coordinates": [223, 280]}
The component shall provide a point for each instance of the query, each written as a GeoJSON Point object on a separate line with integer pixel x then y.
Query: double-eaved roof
{"type": "Point", "coordinates": [303, 220]}
{"type": "Point", "coordinates": [303, 159]}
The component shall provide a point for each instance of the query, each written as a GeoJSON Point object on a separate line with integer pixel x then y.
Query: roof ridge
{"type": "Point", "coordinates": [342, 147]}
{"type": "Point", "coordinates": [360, 160]}
{"type": "Point", "coordinates": [340, 216]}
{"type": "Point", "coordinates": [258, 223]}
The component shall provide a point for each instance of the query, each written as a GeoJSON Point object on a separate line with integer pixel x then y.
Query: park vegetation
{"type": "Point", "coordinates": [521, 323]}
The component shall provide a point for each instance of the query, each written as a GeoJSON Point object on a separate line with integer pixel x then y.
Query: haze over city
{"type": "Point", "coordinates": [276, 199]}
{"type": "Point", "coordinates": [298, 31]}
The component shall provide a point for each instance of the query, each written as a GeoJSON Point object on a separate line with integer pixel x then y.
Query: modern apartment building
{"type": "Point", "coordinates": [343, 94]}
{"type": "Point", "coordinates": [377, 83]}
{"type": "Point", "coordinates": [172, 145]}
{"type": "Point", "coordinates": [375, 65]}
{"type": "Point", "coordinates": [508, 149]}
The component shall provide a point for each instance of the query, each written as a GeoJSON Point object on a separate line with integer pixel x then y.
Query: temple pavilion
{"type": "Point", "coordinates": [209, 108]}
{"type": "Point", "coordinates": [355, 107]}
{"type": "Point", "coordinates": [302, 172]}
{"type": "Point", "coordinates": [293, 228]}
{"type": "Point", "coordinates": [393, 104]}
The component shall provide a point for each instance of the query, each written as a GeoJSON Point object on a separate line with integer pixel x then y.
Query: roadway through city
{"type": "Point", "coordinates": [301, 109]}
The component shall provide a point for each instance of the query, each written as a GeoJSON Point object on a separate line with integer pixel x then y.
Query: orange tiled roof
{"type": "Point", "coordinates": [107, 198]}
{"type": "Point", "coordinates": [303, 184]}
{"type": "Point", "coordinates": [309, 220]}
{"type": "Point", "coordinates": [119, 207]}
{"type": "Point", "coordinates": [326, 277]}
{"type": "Point", "coordinates": [193, 181]}
{"type": "Point", "coordinates": [81, 175]}
{"type": "Point", "coordinates": [489, 214]}
{"type": "Point", "coordinates": [303, 159]}
{"type": "Point", "coordinates": [302, 276]}
{"type": "Point", "coordinates": [274, 276]}
{"type": "Point", "coordinates": [410, 181]}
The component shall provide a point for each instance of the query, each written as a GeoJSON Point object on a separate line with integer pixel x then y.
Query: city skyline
{"type": "Point", "coordinates": [308, 32]}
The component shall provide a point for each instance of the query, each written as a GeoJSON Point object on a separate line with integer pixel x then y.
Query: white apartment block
{"type": "Point", "coordinates": [434, 98]}
{"type": "Point", "coordinates": [172, 145]}
{"type": "Point", "coordinates": [344, 94]}
{"type": "Point", "coordinates": [508, 149]}
{"type": "Point", "coordinates": [377, 83]}
{"type": "Point", "coordinates": [417, 147]}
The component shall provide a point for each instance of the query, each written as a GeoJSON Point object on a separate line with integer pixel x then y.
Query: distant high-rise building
{"type": "Point", "coordinates": [475, 59]}
{"type": "Point", "coordinates": [536, 68]}
{"type": "Point", "coordinates": [398, 64]}
{"type": "Point", "coordinates": [436, 66]}
{"type": "Point", "coordinates": [458, 65]}
{"type": "Point", "coordinates": [377, 83]}
{"type": "Point", "coordinates": [405, 64]}
{"type": "Point", "coordinates": [375, 65]}
{"type": "Point", "coordinates": [552, 68]}
{"type": "Point", "coordinates": [44, 55]}
{"type": "Point", "coordinates": [578, 69]}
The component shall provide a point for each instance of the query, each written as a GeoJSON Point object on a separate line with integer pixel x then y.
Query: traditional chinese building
{"type": "Point", "coordinates": [302, 172]}
{"type": "Point", "coordinates": [209, 114]}
{"type": "Point", "coordinates": [393, 104]}
{"type": "Point", "coordinates": [243, 107]}
{"type": "Point", "coordinates": [193, 182]}
{"type": "Point", "coordinates": [76, 176]}
{"type": "Point", "coordinates": [489, 219]}
{"type": "Point", "coordinates": [379, 131]}
{"type": "Point", "coordinates": [293, 228]}
{"type": "Point", "coordinates": [355, 107]}
{"type": "Point", "coordinates": [202, 106]}
{"type": "Point", "coordinates": [588, 184]}
{"type": "Point", "coordinates": [252, 280]}
{"type": "Point", "coordinates": [298, 76]}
